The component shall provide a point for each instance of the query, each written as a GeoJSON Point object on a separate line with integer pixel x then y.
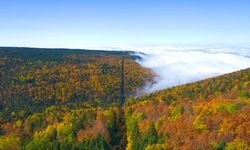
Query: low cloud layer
{"type": "Point", "coordinates": [176, 66]}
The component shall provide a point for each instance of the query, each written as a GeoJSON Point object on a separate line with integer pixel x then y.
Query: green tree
{"type": "Point", "coordinates": [151, 137]}
{"type": "Point", "coordinates": [135, 137]}
{"type": "Point", "coordinates": [152, 134]}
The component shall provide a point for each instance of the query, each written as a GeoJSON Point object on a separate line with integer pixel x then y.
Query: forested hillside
{"type": "Point", "coordinates": [32, 79]}
{"type": "Point", "coordinates": [210, 114]}
{"type": "Point", "coordinates": [69, 99]}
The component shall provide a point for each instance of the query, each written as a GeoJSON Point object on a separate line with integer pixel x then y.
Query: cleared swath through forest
{"type": "Point", "coordinates": [122, 99]}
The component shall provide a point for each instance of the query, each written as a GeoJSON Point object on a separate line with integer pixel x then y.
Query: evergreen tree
{"type": "Point", "coordinates": [152, 134]}
{"type": "Point", "coordinates": [151, 137]}
{"type": "Point", "coordinates": [135, 137]}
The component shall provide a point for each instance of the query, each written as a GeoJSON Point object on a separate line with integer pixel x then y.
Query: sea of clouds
{"type": "Point", "coordinates": [179, 65]}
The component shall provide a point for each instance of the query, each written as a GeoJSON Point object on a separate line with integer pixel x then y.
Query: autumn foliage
{"type": "Point", "coordinates": [209, 114]}
{"type": "Point", "coordinates": [69, 99]}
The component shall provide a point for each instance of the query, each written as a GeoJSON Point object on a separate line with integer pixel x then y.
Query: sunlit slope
{"type": "Point", "coordinates": [64, 99]}
{"type": "Point", "coordinates": [32, 79]}
{"type": "Point", "coordinates": [209, 114]}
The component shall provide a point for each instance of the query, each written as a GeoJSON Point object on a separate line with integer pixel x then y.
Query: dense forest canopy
{"type": "Point", "coordinates": [209, 114]}
{"type": "Point", "coordinates": [69, 99]}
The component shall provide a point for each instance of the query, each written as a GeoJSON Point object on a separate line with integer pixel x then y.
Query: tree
{"type": "Point", "coordinates": [152, 134]}
{"type": "Point", "coordinates": [151, 137]}
{"type": "Point", "coordinates": [135, 137]}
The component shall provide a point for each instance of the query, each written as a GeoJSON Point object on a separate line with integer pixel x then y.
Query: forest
{"type": "Point", "coordinates": [70, 99]}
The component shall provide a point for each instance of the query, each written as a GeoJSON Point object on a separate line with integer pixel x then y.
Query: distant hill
{"type": "Point", "coordinates": [34, 78]}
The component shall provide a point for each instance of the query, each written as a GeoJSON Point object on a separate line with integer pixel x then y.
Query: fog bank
{"type": "Point", "coordinates": [177, 66]}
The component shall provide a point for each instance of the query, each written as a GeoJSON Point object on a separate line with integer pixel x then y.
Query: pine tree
{"type": "Point", "coordinates": [135, 137]}
{"type": "Point", "coordinates": [152, 134]}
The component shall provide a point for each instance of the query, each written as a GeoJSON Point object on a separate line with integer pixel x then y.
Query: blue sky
{"type": "Point", "coordinates": [116, 23]}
